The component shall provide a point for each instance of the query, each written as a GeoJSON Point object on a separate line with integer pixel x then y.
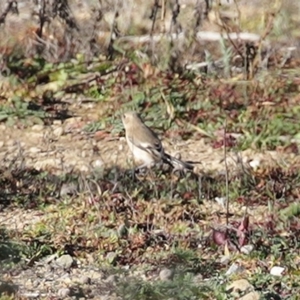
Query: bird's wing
{"type": "Point", "coordinates": [155, 148]}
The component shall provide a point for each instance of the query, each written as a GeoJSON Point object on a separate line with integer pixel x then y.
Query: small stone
{"type": "Point", "coordinates": [1, 144]}
{"type": "Point", "coordinates": [277, 271]}
{"type": "Point", "coordinates": [48, 259]}
{"type": "Point", "coordinates": [95, 275]}
{"type": "Point", "coordinates": [84, 169]}
{"type": "Point", "coordinates": [63, 292]}
{"type": "Point", "coordinates": [247, 249]}
{"type": "Point", "coordinates": [65, 261]}
{"type": "Point", "coordinates": [97, 163]}
{"type": "Point", "coordinates": [166, 274]}
{"type": "Point", "coordinates": [85, 280]}
{"type": "Point", "coordinates": [34, 150]}
{"type": "Point", "coordinates": [254, 164]}
{"type": "Point", "coordinates": [47, 162]}
{"type": "Point", "coordinates": [69, 188]}
{"type": "Point", "coordinates": [251, 296]}
{"type": "Point", "coordinates": [37, 127]}
{"type": "Point", "coordinates": [57, 122]}
{"type": "Point", "coordinates": [112, 278]}
{"type": "Point", "coordinates": [111, 257]}
{"type": "Point", "coordinates": [58, 131]}
{"type": "Point", "coordinates": [240, 285]}
{"type": "Point", "coordinates": [225, 259]}
{"type": "Point", "coordinates": [234, 269]}
{"type": "Point", "coordinates": [198, 279]}
{"type": "Point", "coordinates": [221, 201]}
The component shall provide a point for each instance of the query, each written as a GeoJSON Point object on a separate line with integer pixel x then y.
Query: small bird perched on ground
{"type": "Point", "coordinates": [146, 146]}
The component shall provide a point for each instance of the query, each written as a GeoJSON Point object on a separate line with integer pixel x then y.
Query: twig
{"type": "Point", "coordinates": [113, 30]}
{"type": "Point", "coordinates": [226, 173]}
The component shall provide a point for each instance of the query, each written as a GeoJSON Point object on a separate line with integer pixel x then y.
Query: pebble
{"type": "Point", "coordinates": [58, 131]}
{"type": "Point", "coordinates": [97, 163]}
{"type": "Point", "coordinates": [65, 261]}
{"type": "Point", "coordinates": [63, 292]}
{"type": "Point", "coordinates": [47, 162]}
{"type": "Point", "coordinates": [37, 127]}
{"type": "Point", "coordinates": [166, 274]}
{"type": "Point", "coordinates": [247, 249]}
{"type": "Point", "coordinates": [85, 280]}
{"type": "Point", "coordinates": [234, 269]}
{"type": "Point", "coordinates": [240, 285]}
{"type": "Point", "coordinates": [34, 150]}
{"type": "Point", "coordinates": [277, 271]}
{"type": "Point", "coordinates": [69, 188]}
{"type": "Point", "coordinates": [95, 275]}
{"type": "Point", "coordinates": [112, 278]}
{"type": "Point", "coordinates": [57, 122]}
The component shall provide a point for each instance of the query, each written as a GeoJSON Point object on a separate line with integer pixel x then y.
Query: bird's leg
{"type": "Point", "coordinates": [142, 168]}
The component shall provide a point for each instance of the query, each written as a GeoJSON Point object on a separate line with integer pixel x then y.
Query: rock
{"type": "Point", "coordinates": [112, 278]}
{"type": "Point", "coordinates": [57, 122]}
{"type": "Point", "coordinates": [65, 261]}
{"type": "Point", "coordinates": [166, 274]}
{"type": "Point", "coordinates": [198, 279]}
{"type": "Point", "coordinates": [247, 249]}
{"type": "Point", "coordinates": [111, 257]}
{"type": "Point", "coordinates": [95, 274]}
{"type": "Point", "coordinates": [47, 162]}
{"type": "Point", "coordinates": [277, 271]}
{"type": "Point", "coordinates": [251, 296]}
{"type": "Point", "coordinates": [234, 269]}
{"type": "Point", "coordinates": [63, 292]}
{"type": "Point", "coordinates": [85, 280]}
{"type": "Point", "coordinates": [97, 163]}
{"type": "Point", "coordinates": [34, 150]}
{"type": "Point", "coordinates": [225, 259]}
{"type": "Point", "coordinates": [69, 188]}
{"type": "Point", "coordinates": [84, 169]}
{"type": "Point", "coordinates": [37, 127]}
{"type": "Point", "coordinates": [240, 285]}
{"type": "Point", "coordinates": [58, 131]}
{"type": "Point", "coordinates": [50, 258]}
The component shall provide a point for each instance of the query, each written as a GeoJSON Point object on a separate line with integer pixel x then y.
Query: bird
{"type": "Point", "coordinates": [146, 146]}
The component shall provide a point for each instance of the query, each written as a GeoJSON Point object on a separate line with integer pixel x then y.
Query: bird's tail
{"type": "Point", "coordinates": [179, 164]}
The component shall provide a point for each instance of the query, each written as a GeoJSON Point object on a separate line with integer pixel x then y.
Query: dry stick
{"type": "Point", "coordinates": [175, 13]}
{"type": "Point", "coordinates": [226, 174]}
{"type": "Point", "coordinates": [153, 17]}
{"type": "Point", "coordinates": [163, 14]}
{"type": "Point", "coordinates": [110, 48]}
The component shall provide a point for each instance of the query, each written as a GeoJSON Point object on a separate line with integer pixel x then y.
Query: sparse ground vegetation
{"type": "Point", "coordinates": [218, 81]}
